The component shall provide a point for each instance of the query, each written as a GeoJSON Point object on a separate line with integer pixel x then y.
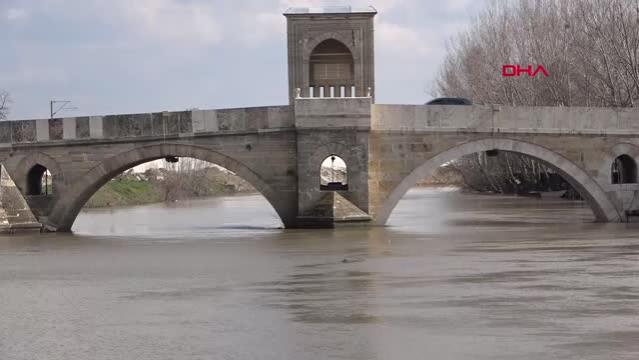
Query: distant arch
{"type": "Point", "coordinates": [601, 205]}
{"type": "Point", "coordinates": [604, 171]}
{"type": "Point", "coordinates": [31, 165]}
{"type": "Point", "coordinates": [623, 170]}
{"type": "Point", "coordinates": [39, 181]}
{"type": "Point", "coordinates": [67, 207]}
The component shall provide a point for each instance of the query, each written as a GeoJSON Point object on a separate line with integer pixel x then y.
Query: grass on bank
{"type": "Point", "coordinates": [125, 192]}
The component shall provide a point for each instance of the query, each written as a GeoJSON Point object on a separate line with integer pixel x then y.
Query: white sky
{"type": "Point", "coordinates": [127, 56]}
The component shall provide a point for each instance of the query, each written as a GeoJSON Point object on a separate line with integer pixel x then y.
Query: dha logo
{"type": "Point", "coordinates": [516, 70]}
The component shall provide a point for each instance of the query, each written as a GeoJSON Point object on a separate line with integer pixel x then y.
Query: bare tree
{"type": "Point", "coordinates": [181, 178]}
{"type": "Point", "coordinates": [589, 47]}
{"type": "Point", "coordinates": [4, 104]}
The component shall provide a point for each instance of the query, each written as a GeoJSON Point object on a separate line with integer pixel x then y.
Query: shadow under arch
{"type": "Point", "coordinates": [601, 205]}
{"type": "Point", "coordinates": [67, 208]}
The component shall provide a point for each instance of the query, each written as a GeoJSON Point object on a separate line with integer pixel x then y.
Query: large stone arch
{"type": "Point", "coordinates": [69, 204]}
{"type": "Point", "coordinates": [601, 205]}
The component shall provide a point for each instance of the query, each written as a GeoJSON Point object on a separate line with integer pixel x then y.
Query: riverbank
{"type": "Point", "coordinates": [157, 186]}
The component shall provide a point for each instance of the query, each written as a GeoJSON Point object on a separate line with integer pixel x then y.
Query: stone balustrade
{"type": "Point", "coordinates": [495, 118]}
{"type": "Point", "coordinates": [151, 125]}
{"type": "Point", "coordinates": [349, 112]}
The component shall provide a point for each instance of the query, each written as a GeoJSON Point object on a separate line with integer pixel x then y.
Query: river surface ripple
{"type": "Point", "coordinates": [453, 276]}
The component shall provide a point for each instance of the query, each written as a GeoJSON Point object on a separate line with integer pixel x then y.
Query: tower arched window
{"type": "Point", "coordinates": [331, 69]}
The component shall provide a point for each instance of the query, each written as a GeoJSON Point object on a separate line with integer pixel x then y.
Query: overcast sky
{"type": "Point", "coordinates": [127, 56]}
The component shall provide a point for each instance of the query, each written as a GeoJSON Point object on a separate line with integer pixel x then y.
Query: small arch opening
{"type": "Point", "coordinates": [331, 65]}
{"type": "Point", "coordinates": [333, 174]}
{"type": "Point", "coordinates": [39, 181]}
{"type": "Point", "coordinates": [624, 170]}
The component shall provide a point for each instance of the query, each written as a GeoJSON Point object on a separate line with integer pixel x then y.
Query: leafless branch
{"type": "Point", "coordinates": [5, 100]}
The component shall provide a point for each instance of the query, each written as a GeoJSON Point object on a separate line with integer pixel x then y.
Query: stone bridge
{"type": "Point", "coordinates": [331, 112]}
{"type": "Point", "coordinates": [387, 150]}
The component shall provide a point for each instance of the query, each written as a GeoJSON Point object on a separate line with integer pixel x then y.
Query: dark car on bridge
{"type": "Point", "coordinates": [450, 101]}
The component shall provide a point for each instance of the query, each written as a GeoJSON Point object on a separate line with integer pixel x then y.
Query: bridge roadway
{"type": "Point", "coordinates": [279, 149]}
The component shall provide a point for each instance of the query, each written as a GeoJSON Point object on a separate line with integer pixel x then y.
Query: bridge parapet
{"type": "Point", "coordinates": [326, 113]}
{"type": "Point", "coordinates": [494, 118]}
{"type": "Point", "coordinates": [147, 125]}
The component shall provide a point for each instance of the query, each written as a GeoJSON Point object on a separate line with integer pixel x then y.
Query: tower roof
{"type": "Point", "coordinates": [329, 10]}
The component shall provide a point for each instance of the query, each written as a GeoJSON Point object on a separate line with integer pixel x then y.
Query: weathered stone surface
{"type": "Point", "coordinates": [55, 129]}
{"type": "Point", "coordinates": [5, 132]}
{"type": "Point", "coordinates": [157, 124]}
{"type": "Point", "coordinates": [280, 117]}
{"type": "Point", "coordinates": [82, 130]}
{"type": "Point", "coordinates": [204, 120]}
{"type": "Point", "coordinates": [68, 128]}
{"type": "Point", "coordinates": [119, 126]}
{"type": "Point", "coordinates": [257, 118]}
{"type": "Point", "coordinates": [231, 119]}
{"type": "Point", "coordinates": [171, 123]}
{"type": "Point", "coordinates": [96, 129]}
{"type": "Point", "coordinates": [24, 131]}
{"type": "Point", "coordinates": [333, 113]}
{"type": "Point", "coordinates": [185, 121]}
{"type": "Point", "coordinates": [42, 130]}
{"type": "Point", "coordinates": [505, 119]}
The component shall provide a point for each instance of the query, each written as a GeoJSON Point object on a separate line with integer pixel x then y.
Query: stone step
{"type": "Point", "coordinates": [14, 210]}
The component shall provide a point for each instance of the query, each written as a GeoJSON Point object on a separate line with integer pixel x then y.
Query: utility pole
{"type": "Point", "coordinates": [62, 107]}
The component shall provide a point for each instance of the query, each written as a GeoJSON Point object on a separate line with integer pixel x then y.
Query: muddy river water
{"type": "Point", "coordinates": [453, 276]}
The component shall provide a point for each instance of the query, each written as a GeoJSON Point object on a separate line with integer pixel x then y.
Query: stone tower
{"type": "Point", "coordinates": [331, 88]}
{"type": "Point", "coordinates": [330, 51]}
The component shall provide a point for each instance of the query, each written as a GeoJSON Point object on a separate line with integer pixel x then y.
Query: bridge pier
{"type": "Point", "coordinates": [332, 127]}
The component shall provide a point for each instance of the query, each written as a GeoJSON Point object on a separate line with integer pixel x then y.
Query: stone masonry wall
{"type": "Point", "coordinates": [148, 125]}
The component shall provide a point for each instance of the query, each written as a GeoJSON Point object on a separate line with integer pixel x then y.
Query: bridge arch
{"type": "Point", "coordinates": [601, 205]}
{"type": "Point", "coordinates": [69, 204]}
{"type": "Point", "coordinates": [24, 171]}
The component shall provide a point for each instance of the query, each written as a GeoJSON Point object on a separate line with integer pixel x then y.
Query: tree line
{"type": "Point", "coordinates": [590, 48]}
{"type": "Point", "coordinates": [4, 104]}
